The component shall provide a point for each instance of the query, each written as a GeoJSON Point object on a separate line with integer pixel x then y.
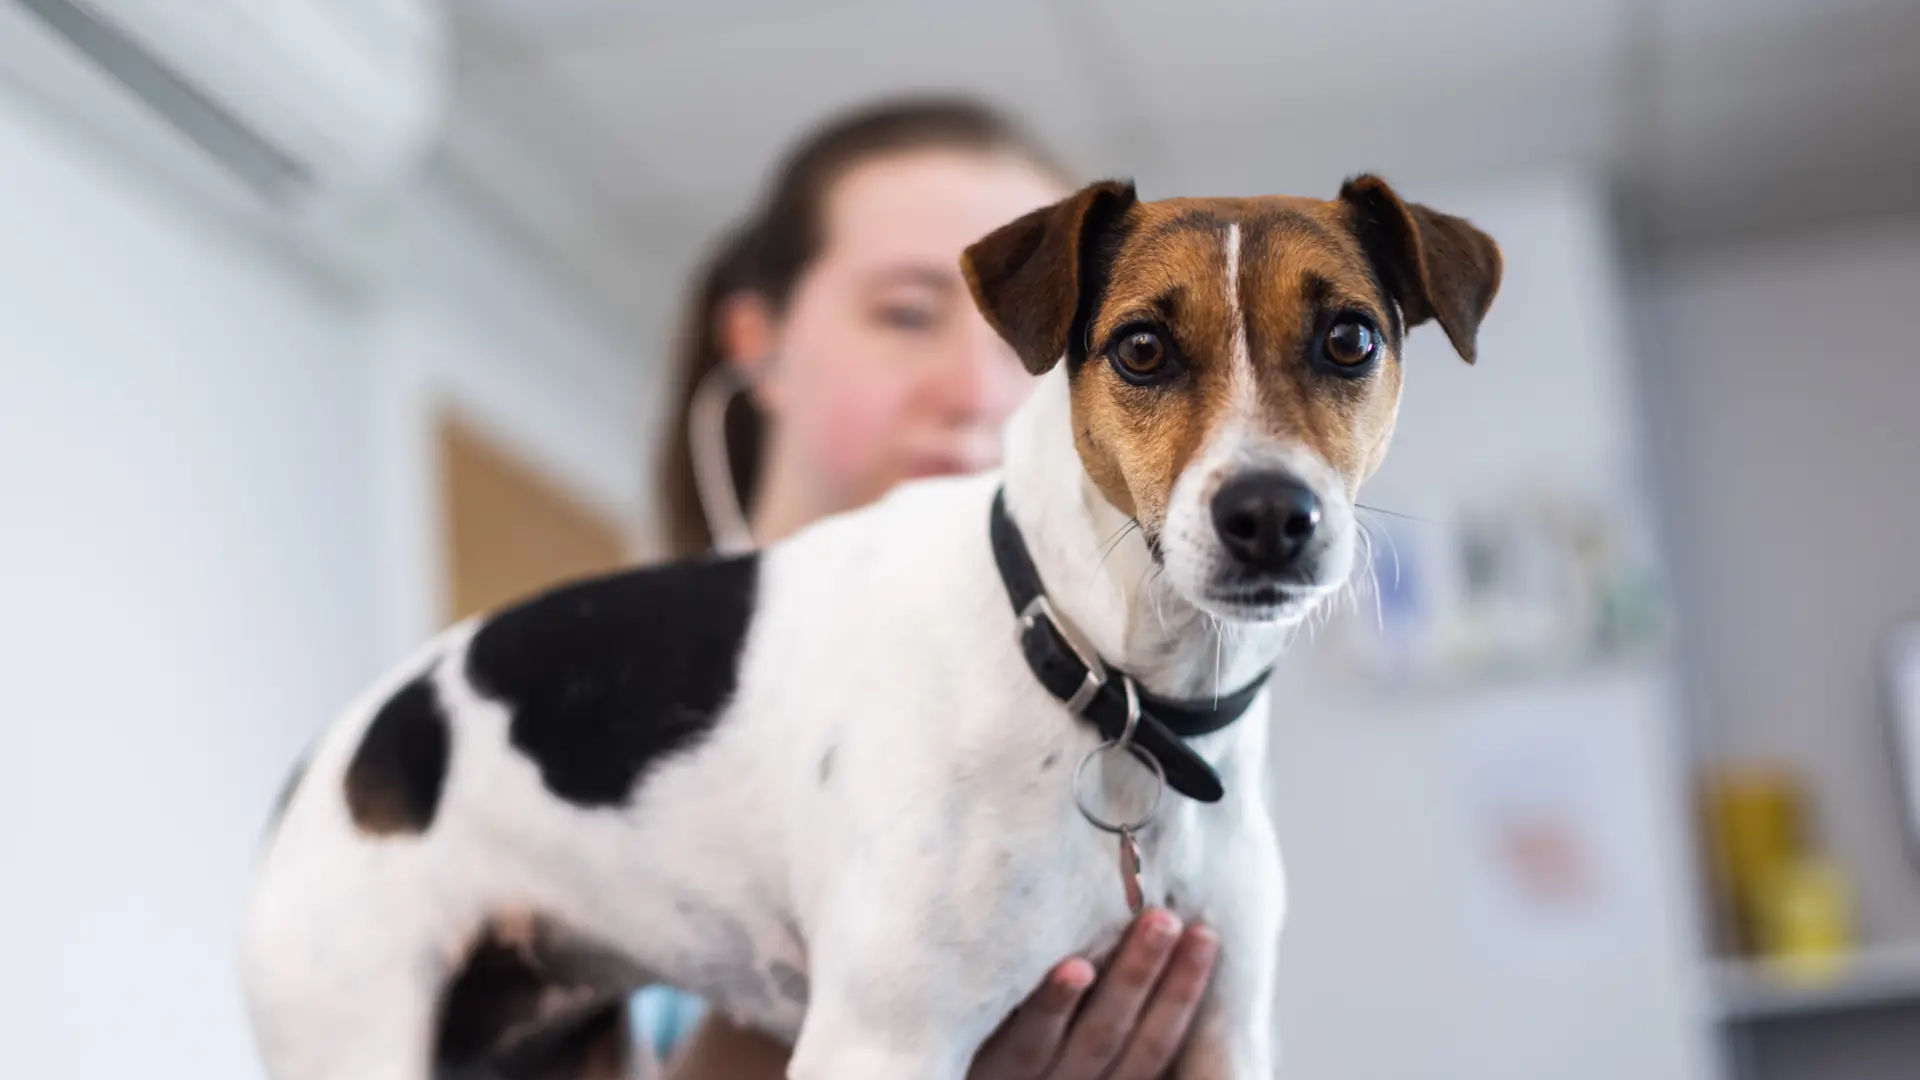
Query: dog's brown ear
{"type": "Point", "coordinates": [1437, 266]}
{"type": "Point", "coordinates": [1029, 276]}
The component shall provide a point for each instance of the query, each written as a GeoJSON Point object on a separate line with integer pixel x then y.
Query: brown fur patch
{"type": "Point", "coordinates": [1298, 266]}
{"type": "Point", "coordinates": [1135, 440]}
{"type": "Point", "coordinates": [1438, 266]}
{"type": "Point", "coordinates": [1025, 276]}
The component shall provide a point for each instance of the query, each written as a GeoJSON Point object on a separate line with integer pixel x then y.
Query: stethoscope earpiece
{"type": "Point", "coordinates": [712, 466]}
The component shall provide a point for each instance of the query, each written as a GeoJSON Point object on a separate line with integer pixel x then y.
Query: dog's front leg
{"type": "Point", "coordinates": [883, 1030]}
{"type": "Point", "coordinates": [884, 1003]}
{"type": "Point", "coordinates": [1232, 1036]}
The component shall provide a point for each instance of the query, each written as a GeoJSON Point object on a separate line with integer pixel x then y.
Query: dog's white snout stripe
{"type": "Point", "coordinates": [1242, 359]}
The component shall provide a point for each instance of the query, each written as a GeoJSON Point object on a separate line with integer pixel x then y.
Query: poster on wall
{"type": "Point", "coordinates": [1550, 839]}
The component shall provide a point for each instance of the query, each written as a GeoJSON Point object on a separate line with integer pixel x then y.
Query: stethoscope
{"type": "Point", "coordinates": [712, 466]}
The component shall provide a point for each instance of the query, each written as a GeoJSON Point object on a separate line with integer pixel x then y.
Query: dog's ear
{"type": "Point", "coordinates": [1437, 266]}
{"type": "Point", "coordinates": [1031, 277]}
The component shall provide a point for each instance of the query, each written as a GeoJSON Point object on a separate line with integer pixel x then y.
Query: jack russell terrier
{"type": "Point", "coordinates": [862, 789]}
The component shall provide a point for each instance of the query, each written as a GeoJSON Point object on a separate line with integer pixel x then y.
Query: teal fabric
{"type": "Point", "coordinates": [664, 1017]}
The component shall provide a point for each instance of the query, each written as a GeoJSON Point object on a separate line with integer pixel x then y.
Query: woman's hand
{"type": "Point", "coordinates": [1130, 1028]}
{"type": "Point", "coordinates": [1134, 1019]}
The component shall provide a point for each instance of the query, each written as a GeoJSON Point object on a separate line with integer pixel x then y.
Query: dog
{"type": "Point", "coordinates": [863, 788]}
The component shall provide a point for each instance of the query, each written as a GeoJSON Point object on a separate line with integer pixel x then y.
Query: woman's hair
{"type": "Point", "coordinates": [769, 252]}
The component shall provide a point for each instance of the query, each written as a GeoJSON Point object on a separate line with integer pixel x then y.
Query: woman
{"type": "Point", "coordinates": [839, 321]}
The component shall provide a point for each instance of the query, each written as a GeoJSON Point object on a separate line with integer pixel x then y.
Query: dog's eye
{"type": "Point", "coordinates": [1141, 353]}
{"type": "Point", "coordinates": [1351, 343]}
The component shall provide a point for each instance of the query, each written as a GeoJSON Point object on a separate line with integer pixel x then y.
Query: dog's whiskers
{"type": "Point", "coordinates": [1392, 547]}
{"type": "Point", "coordinates": [1366, 551]}
{"type": "Point", "coordinates": [1391, 513]}
{"type": "Point", "coordinates": [1317, 621]}
{"type": "Point", "coordinates": [1351, 587]}
{"type": "Point", "coordinates": [1154, 595]}
{"type": "Point", "coordinates": [1373, 578]}
{"type": "Point", "coordinates": [1113, 544]}
{"type": "Point", "coordinates": [1219, 640]}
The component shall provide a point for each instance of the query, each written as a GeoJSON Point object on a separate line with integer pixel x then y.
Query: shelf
{"type": "Point", "coordinates": [1746, 992]}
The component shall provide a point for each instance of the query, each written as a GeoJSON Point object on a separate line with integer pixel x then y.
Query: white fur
{"type": "Point", "coordinates": [1242, 356]}
{"type": "Point", "coordinates": [924, 889]}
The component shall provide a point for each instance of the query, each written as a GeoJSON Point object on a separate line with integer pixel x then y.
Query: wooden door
{"type": "Point", "coordinates": [508, 529]}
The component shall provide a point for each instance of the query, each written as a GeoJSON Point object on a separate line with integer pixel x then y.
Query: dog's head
{"type": "Point", "coordinates": [1234, 363]}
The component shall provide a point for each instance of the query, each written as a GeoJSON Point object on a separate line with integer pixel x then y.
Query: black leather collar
{"type": "Point", "coordinates": [1074, 673]}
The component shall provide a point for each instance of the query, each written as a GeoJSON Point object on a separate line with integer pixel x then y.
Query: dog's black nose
{"type": "Point", "coordinates": [1265, 519]}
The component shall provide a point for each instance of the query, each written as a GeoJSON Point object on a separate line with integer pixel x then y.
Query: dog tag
{"type": "Point", "coordinates": [1130, 871]}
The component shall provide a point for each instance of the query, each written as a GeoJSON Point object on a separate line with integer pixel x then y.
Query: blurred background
{"type": "Point", "coordinates": [325, 321]}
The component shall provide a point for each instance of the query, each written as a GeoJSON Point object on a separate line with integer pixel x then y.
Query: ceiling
{"type": "Point", "coordinates": [624, 132]}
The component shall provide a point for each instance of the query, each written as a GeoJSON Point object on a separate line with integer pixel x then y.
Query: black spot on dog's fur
{"type": "Point", "coordinates": [826, 765]}
{"type": "Point", "coordinates": [394, 781]}
{"type": "Point", "coordinates": [598, 1046]}
{"type": "Point", "coordinates": [1102, 235]}
{"type": "Point", "coordinates": [607, 676]}
{"type": "Point", "coordinates": [1048, 762]}
{"type": "Point", "coordinates": [535, 1004]}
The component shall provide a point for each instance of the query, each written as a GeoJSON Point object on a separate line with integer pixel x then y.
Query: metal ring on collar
{"type": "Point", "coordinates": [1153, 808]}
{"type": "Point", "coordinates": [1038, 608]}
{"type": "Point", "coordinates": [1125, 741]}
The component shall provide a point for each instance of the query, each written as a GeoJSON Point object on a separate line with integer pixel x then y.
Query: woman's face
{"type": "Point", "coordinates": [880, 369]}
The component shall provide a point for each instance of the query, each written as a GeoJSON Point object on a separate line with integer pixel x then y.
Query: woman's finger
{"type": "Point", "coordinates": [1101, 1031]}
{"type": "Point", "coordinates": [1028, 1042]}
{"type": "Point", "coordinates": [1162, 1030]}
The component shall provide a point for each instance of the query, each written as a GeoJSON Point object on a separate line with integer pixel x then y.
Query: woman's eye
{"type": "Point", "coordinates": [907, 316]}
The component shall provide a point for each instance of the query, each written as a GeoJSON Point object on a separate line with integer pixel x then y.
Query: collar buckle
{"type": "Point", "coordinates": [1038, 609]}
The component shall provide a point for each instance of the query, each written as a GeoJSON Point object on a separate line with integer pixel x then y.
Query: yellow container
{"type": "Point", "coordinates": [1805, 923]}
{"type": "Point", "coordinates": [1755, 825]}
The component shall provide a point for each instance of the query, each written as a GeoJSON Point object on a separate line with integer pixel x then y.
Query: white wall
{"type": "Point", "coordinates": [202, 548]}
{"type": "Point", "coordinates": [1787, 378]}
{"type": "Point", "coordinates": [188, 560]}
